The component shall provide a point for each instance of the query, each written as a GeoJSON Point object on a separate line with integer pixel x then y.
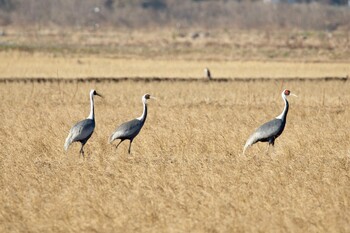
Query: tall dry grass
{"type": "Point", "coordinates": [185, 173]}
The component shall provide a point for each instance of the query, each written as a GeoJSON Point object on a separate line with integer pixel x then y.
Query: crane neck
{"type": "Point", "coordinates": [92, 113]}
{"type": "Point", "coordinates": [142, 118]}
{"type": "Point", "coordinates": [283, 115]}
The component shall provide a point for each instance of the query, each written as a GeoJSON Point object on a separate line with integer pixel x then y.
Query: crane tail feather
{"type": "Point", "coordinates": [115, 135]}
{"type": "Point", "coordinates": [251, 140]}
{"type": "Point", "coordinates": [111, 138]}
{"type": "Point", "coordinates": [245, 147]}
{"type": "Point", "coordinates": [68, 142]}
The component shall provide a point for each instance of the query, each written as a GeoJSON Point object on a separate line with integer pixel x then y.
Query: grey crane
{"type": "Point", "coordinates": [207, 73]}
{"type": "Point", "coordinates": [129, 130]}
{"type": "Point", "coordinates": [82, 131]}
{"type": "Point", "coordinates": [269, 131]}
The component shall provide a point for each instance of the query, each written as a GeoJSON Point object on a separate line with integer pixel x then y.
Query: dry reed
{"type": "Point", "coordinates": [186, 172]}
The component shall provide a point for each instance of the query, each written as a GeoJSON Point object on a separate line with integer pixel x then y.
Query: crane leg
{"type": "Point", "coordinates": [130, 146]}
{"type": "Point", "coordinates": [116, 147]}
{"type": "Point", "coordinates": [267, 149]}
{"type": "Point", "coordinates": [271, 142]}
{"type": "Point", "coordinates": [82, 150]}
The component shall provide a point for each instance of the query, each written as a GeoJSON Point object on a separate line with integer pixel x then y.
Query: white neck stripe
{"type": "Point", "coordinates": [91, 116]}
{"type": "Point", "coordinates": [285, 107]}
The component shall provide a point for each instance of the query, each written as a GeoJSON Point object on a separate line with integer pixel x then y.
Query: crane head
{"type": "Point", "coordinates": [94, 92]}
{"type": "Point", "coordinates": [146, 97]}
{"type": "Point", "coordinates": [287, 93]}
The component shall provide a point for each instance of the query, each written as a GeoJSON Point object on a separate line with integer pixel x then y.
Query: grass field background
{"type": "Point", "coordinates": [186, 172]}
{"type": "Point", "coordinates": [46, 65]}
{"type": "Point", "coordinates": [57, 53]}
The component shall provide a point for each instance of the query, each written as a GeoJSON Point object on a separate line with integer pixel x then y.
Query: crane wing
{"type": "Point", "coordinates": [80, 131]}
{"type": "Point", "coordinates": [127, 130]}
{"type": "Point", "coordinates": [270, 129]}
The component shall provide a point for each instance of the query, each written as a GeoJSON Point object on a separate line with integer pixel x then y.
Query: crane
{"type": "Point", "coordinates": [129, 130]}
{"type": "Point", "coordinates": [82, 131]}
{"type": "Point", "coordinates": [269, 131]}
{"type": "Point", "coordinates": [207, 73]}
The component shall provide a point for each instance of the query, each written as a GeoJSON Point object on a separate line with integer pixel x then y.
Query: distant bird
{"type": "Point", "coordinates": [129, 130]}
{"type": "Point", "coordinates": [207, 73]}
{"type": "Point", "coordinates": [82, 131]}
{"type": "Point", "coordinates": [269, 131]}
{"type": "Point", "coordinates": [97, 9]}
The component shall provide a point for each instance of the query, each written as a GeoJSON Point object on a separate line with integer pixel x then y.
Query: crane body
{"type": "Point", "coordinates": [82, 131]}
{"type": "Point", "coordinates": [271, 130]}
{"type": "Point", "coordinates": [129, 130]}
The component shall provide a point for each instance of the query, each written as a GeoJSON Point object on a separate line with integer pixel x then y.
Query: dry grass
{"type": "Point", "coordinates": [186, 173]}
{"type": "Point", "coordinates": [172, 53]}
{"type": "Point", "coordinates": [19, 64]}
{"type": "Point", "coordinates": [183, 43]}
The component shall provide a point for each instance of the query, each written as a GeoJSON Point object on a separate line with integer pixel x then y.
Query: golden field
{"type": "Point", "coordinates": [175, 53]}
{"type": "Point", "coordinates": [182, 43]}
{"type": "Point", "coordinates": [46, 65]}
{"type": "Point", "coordinates": [186, 172]}
{"type": "Point", "coordinates": [179, 52]}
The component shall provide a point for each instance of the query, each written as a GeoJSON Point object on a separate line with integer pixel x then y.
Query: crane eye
{"type": "Point", "coordinates": [287, 92]}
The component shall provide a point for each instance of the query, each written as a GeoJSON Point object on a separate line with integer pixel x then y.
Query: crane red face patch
{"type": "Point", "coordinates": [287, 92]}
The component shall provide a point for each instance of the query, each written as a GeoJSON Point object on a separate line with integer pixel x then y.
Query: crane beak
{"type": "Point", "coordinates": [99, 95]}
{"type": "Point", "coordinates": [293, 95]}
{"type": "Point", "coordinates": [152, 97]}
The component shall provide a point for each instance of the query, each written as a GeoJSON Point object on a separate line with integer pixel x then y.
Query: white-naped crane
{"type": "Point", "coordinates": [269, 131]}
{"type": "Point", "coordinates": [207, 73]}
{"type": "Point", "coordinates": [129, 130]}
{"type": "Point", "coordinates": [82, 131]}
